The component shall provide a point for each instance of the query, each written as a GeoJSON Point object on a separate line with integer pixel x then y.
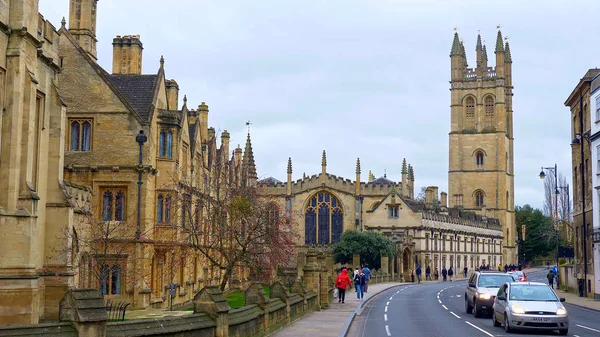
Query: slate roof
{"type": "Point", "coordinates": [382, 181]}
{"type": "Point", "coordinates": [138, 90]}
{"type": "Point", "coordinates": [269, 180]}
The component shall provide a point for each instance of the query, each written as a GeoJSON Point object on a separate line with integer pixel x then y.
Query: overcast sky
{"type": "Point", "coordinates": [364, 79]}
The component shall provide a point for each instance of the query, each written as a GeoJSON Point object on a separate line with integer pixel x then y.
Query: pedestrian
{"type": "Point", "coordinates": [356, 272]}
{"type": "Point", "coordinates": [367, 273]}
{"type": "Point", "coordinates": [444, 274]}
{"type": "Point", "coordinates": [466, 270]}
{"type": "Point", "coordinates": [412, 276]}
{"type": "Point", "coordinates": [342, 282]}
{"type": "Point", "coordinates": [436, 274]}
{"type": "Point", "coordinates": [428, 274]}
{"type": "Point", "coordinates": [359, 284]}
{"type": "Point", "coordinates": [418, 274]}
{"type": "Point", "coordinates": [550, 277]}
{"type": "Point", "coordinates": [450, 273]}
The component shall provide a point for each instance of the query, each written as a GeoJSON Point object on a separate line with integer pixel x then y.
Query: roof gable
{"type": "Point", "coordinates": [138, 90]}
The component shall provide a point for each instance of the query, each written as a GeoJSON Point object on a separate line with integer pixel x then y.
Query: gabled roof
{"type": "Point", "coordinates": [138, 90]}
{"type": "Point", "coordinates": [269, 180]}
{"type": "Point", "coordinates": [382, 181]}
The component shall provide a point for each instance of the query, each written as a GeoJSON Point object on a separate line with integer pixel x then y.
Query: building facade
{"type": "Point", "coordinates": [481, 165]}
{"type": "Point", "coordinates": [426, 232]}
{"type": "Point", "coordinates": [594, 115]}
{"type": "Point", "coordinates": [578, 102]}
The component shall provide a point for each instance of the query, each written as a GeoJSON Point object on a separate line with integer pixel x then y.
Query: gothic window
{"type": "Point", "coordinates": [163, 208]}
{"type": "Point", "coordinates": [113, 205]}
{"type": "Point", "coordinates": [479, 198]}
{"type": "Point", "coordinates": [159, 208]}
{"type": "Point", "coordinates": [110, 280]}
{"type": "Point", "coordinates": [165, 144]}
{"type": "Point", "coordinates": [479, 159]}
{"type": "Point", "coordinates": [81, 134]}
{"type": "Point", "coordinates": [323, 219]}
{"type": "Point", "coordinates": [489, 111]}
{"type": "Point", "coordinates": [469, 113]}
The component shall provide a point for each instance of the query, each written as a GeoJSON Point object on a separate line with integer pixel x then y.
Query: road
{"type": "Point", "coordinates": [437, 309]}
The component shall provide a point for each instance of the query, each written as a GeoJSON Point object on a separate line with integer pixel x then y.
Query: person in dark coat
{"type": "Point", "coordinates": [428, 274]}
{"type": "Point", "coordinates": [360, 281]}
{"type": "Point", "coordinates": [450, 273]}
{"type": "Point", "coordinates": [444, 274]}
{"type": "Point", "coordinates": [418, 274]}
{"type": "Point", "coordinates": [466, 271]}
{"type": "Point", "coordinates": [550, 277]}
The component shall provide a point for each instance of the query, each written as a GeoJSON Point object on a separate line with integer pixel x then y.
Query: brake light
{"type": "Point", "coordinates": [523, 279]}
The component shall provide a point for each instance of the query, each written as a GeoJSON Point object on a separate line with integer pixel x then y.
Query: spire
{"type": "Point", "coordinates": [162, 61]}
{"type": "Point", "coordinates": [184, 100]}
{"type": "Point", "coordinates": [63, 22]}
{"type": "Point", "coordinates": [463, 53]}
{"type": "Point", "coordinates": [485, 58]}
{"type": "Point", "coordinates": [508, 58]}
{"type": "Point", "coordinates": [324, 159]}
{"type": "Point", "coordinates": [478, 47]}
{"type": "Point", "coordinates": [249, 175]}
{"type": "Point", "coordinates": [289, 170]}
{"type": "Point", "coordinates": [357, 165]}
{"type": "Point", "coordinates": [499, 45]}
{"type": "Point", "coordinates": [456, 50]}
{"type": "Point", "coordinates": [411, 173]}
{"type": "Point", "coordinates": [404, 166]}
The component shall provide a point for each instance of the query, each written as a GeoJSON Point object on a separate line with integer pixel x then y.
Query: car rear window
{"type": "Point", "coordinates": [494, 281]}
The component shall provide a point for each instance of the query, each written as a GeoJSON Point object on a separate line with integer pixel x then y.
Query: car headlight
{"type": "Point", "coordinates": [517, 309]}
{"type": "Point", "coordinates": [561, 311]}
{"type": "Point", "coordinates": [484, 296]}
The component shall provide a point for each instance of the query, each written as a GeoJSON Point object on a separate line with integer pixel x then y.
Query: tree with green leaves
{"type": "Point", "coordinates": [540, 233]}
{"type": "Point", "coordinates": [369, 245]}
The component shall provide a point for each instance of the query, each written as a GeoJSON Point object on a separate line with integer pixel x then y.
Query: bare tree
{"type": "Point", "coordinates": [562, 211]}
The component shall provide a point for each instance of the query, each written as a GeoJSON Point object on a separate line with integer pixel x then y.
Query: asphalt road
{"type": "Point", "coordinates": [437, 309]}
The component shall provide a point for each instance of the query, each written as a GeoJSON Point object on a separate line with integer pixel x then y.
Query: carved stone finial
{"type": "Point", "coordinates": [404, 170]}
{"type": "Point", "coordinates": [289, 168]}
{"type": "Point", "coordinates": [63, 22]}
{"type": "Point", "coordinates": [162, 61]}
{"type": "Point", "coordinates": [357, 165]}
{"type": "Point", "coordinates": [324, 159]}
{"type": "Point", "coordinates": [184, 99]}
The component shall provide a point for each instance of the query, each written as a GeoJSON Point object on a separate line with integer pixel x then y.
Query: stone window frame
{"type": "Point", "coordinates": [164, 208]}
{"type": "Point", "coordinates": [393, 212]}
{"type": "Point", "coordinates": [165, 143]}
{"type": "Point", "coordinates": [115, 285]}
{"type": "Point", "coordinates": [490, 113]}
{"type": "Point", "coordinates": [81, 122]}
{"type": "Point", "coordinates": [115, 190]}
{"type": "Point", "coordinates": [479, 198]}
{"type": "Point", "coordinates": [470, 121]}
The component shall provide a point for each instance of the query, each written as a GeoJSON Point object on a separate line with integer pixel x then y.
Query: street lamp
{"type": "Point", "coordinates": [555, 208]}
{"type": "Point", "coordinates": [141, 138]}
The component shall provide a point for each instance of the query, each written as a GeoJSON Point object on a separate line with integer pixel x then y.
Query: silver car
{"type": "Point", "coordinates": [529, 305]}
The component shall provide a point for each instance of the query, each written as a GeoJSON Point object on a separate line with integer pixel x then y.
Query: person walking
{"type": "Point", "coordinates": [428, 274]}
{"type": "Point", "coordinates": [450, 273]}
{"type": "Point", "coordinates": [367, 273]}
{"type": "Point", "coordinates": [342, 282]}
{"type": "Point", "coordinates": [550, 277]}
{"type": "Point", "coordinates": [356, 272]}
{"type": "Point", "coordinates": [360, 281]}
{"type": "Point", "coordinates": [418, 274]}
{"type": "Point", "coordinates": [444, 274]}
{"type": "Point", "coordinates": [466, 271]}
{"type": "Point", "coordinates": [412, 276]}
{"type": "Point", "coordinates": [436, 274]}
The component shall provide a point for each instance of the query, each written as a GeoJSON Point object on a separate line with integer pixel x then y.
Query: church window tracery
{"type": "Point", "coordinates": [81, 134]}
{"type": "Point", "coordinates": [165, 144]}
{"type": "Point", "coordinates": [163, 209]}
{"type": "Point", "coordinates": [469, 113]}
{"type": "Point", "coordinates": [489, 111]}
{"type": "Point", "coordinates": [479, 198]}
{"type": "Point", "coordinates": [479, 159]}
{"type": "Point", "coordinates": [323, 219]}
{"type": "Point", "coordinates": [113, 205]}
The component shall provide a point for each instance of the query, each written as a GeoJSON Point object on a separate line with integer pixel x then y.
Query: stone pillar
{"type": "Point", "coordinates": [86, 311]}
{"type": "Point", "coordinates": [278, 291]}
{"type": "Point", "coordinates": [312, 274]}
{"type": "Point", "coordinates": [300, 289]}
{"type": "Point", "coordinates": [300, 263]}
{"type": "Point", "coordinates": [255, 294]}
{"type": "Point", "coordinates": [385, 267]}
{"type": "Point", "coordinates": [355, 260]}
{"type": "Point", "coordinates": [330, 265]}
{"type": "Point", "coordinates": [323, 281]}
{"type": "Point", "coordinates": [210, 301]}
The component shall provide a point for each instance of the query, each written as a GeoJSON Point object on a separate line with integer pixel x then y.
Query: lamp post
{"type": "Point", "coordinates": [555, 208]}
{"type": "Point", "coordinates": [579, 140]}
{"type": "Point", "coordinates": [455, 247]}
{"type": "Point", "coordinates": [141, 138]}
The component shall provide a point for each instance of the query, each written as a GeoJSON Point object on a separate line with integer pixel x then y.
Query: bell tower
{"type": "Point", "coordinates": [481, 167]}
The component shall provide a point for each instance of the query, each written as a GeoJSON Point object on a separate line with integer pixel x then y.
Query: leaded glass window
{"type": "Point", "coordinates": [489, 111]}
{"type": "Point", "coordinates": [323, 219]}
{"type": "Point", "coordinates": [159, 208]}
{"type": "Point", "coordinates": [81, 135]}
{"type": "Point", "coordinates": [470, 113]}
{"type": "Point", "coordinates": [113, 205]}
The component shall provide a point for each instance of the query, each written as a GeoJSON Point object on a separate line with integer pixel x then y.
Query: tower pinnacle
{"type": "Point", "coordinates": [404, 171]}
{"type": "Point", "coordinates": [357, 165]}
{"type": "Point", "coordinates": [456, 50]}
{"type": "Point", "coordinates": [499, 44]}
{"type": "Point", "coordinates": [289, 168]}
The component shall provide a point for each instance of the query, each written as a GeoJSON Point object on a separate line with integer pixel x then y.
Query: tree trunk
{"type": "Point", "coordinates": [226, 277]}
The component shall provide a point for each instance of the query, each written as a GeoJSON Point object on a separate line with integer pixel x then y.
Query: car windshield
{"type": "Point", "coordinates": [531, 293]}
{"type": "Point", "coordinates": [494, 281]}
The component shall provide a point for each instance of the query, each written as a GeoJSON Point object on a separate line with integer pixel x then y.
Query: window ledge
{"type": "Point", "coordinates": [166, 158]}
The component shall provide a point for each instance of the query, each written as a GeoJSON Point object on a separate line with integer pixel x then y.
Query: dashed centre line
{"type": "Point", "coordinates": [588, 328]}
{"type": "Point", "coordinates": [480, 329]}
{"type": "Point", "coordinates": [387, 330]}
{"type": "Point", "coordinates": [455, 315]}
{"type": "Point", "coordinates": [445, 307]}
{"type": "Point", "coordinates": [385, 317]}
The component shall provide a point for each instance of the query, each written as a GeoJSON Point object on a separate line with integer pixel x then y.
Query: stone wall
{"type": "Point", "coordinates": [82, 313]}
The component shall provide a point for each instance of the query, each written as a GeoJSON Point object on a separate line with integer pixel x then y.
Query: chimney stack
{"type": "Point", "coordinates": [82, 24]}
{"type": "Point", "coordinates": [127, 55]}
{"type": "Point", "coordinates": [172, 94]}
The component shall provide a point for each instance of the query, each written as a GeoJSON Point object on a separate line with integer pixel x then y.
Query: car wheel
{"type": "Point", "coordinates": [468, 307]}
{"type": "Point", "coordinates": [507, 327]}
{"type": "Point", "coordinates": [476, 310]}
{"type": "Point", "coordinates": [496, 323]}
{"type": "Point", "coordinates": [563, 332]}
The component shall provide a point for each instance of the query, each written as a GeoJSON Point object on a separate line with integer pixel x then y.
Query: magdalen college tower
{"type": "Point", "coordinates": [481, 166]}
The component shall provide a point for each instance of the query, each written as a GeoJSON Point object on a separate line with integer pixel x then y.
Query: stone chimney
{"type": "Point", "coordinates": [172, 94]}
{"type": "Point", "coordinates": [444, 202]}
{"type": "Point", "coordinates": [203, 115]}
{"type": "Point", "coordinates": [82, 24]}
{"type": "Point", "coordinates": [431, 195]}
{"type": "Point", "coordinates": [127, 55]}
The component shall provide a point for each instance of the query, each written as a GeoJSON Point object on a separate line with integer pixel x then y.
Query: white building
{"type": "Point", "coordinates": [595, 149]}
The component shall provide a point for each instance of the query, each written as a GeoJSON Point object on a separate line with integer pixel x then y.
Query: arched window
{"type": "Point", "coordinates": [507, 201]}
{"type": "Point", "coordinates": [479, 159]}
{"type": "Point", "coordinates": [81, 135]}
{"type": "Point", "coordinates": [113, 205]}
{"type": "Point", "coordinates": [469, 113]}
{"type": "Point", "coordinates": [104, 274]}
{"type": "Point", "coordinates": [489, 111]}
{"type": "Point", "coordinates": [120, 206]}
{"type": "Point", "coordinates": [165, 144]}
{"type": "Point", "coordinates": [323, 219]}
{"type": "Point", "coordinates": [168, 209]}
{"type": "Point", "coordinates": [160, 208]}
{"type": "Point", "coordinates": [107, 202]}
{"type": "Point", "coordinates": [115, 280]}
{"type": "Point", "coordinates": [75, 134]}
{"type": "Point", "coordinates": [479, 198]}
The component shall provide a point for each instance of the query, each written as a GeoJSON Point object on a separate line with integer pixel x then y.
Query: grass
{"type": "Point", "coordinates": [236, 299]}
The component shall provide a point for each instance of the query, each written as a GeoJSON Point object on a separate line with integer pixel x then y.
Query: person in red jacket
{"type": "Point", "coordinates": [341, 282]}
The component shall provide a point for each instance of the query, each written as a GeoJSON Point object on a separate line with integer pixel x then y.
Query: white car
{"type": "Point", "coordinates": [529, 306]}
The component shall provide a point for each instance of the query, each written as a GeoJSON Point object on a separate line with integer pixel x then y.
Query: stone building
{"type": "Point", "coordinates": [578, 103]}
{"type": "Point", "coordinates": [426, 232]}
{"type": "Point", "coordinates": [481, 168]}
{"type": "Point", "coordinates": [36, 204]}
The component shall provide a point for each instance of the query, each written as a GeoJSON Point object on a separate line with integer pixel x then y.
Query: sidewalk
{"type": "Point", "coordinates": [574, 299]}
{"type": "Point", "coordinates": [329, 322]}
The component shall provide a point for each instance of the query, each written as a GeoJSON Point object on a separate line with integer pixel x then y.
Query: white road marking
{"type": "Point", "coordinates": [480, 329]}
{"type": "Point", "coordinates": [458, 295]}
{"type": "Point", "coordinates": [455, 315]}
{"type": "Point", "coordinates": [391, 298]}
{"type": "Point", "coordinates": [445, 307]}
{"type": "Point", "coordinates": [385, 317]}
{"type": "Point", "coordinates": [385, 309]}
{"type": "Point", "coordinates": [387, 330]}
{"type": "Point", "coordinates": [575, 335]}
{"type": "Point", "coordinates": [387, 303]}
{"type": "Point", "coordinates": [438, 296]}
{"type": "Point", "coordinates": [585, 327]}
{"type": "Point", "coordinates": [440, 301]}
